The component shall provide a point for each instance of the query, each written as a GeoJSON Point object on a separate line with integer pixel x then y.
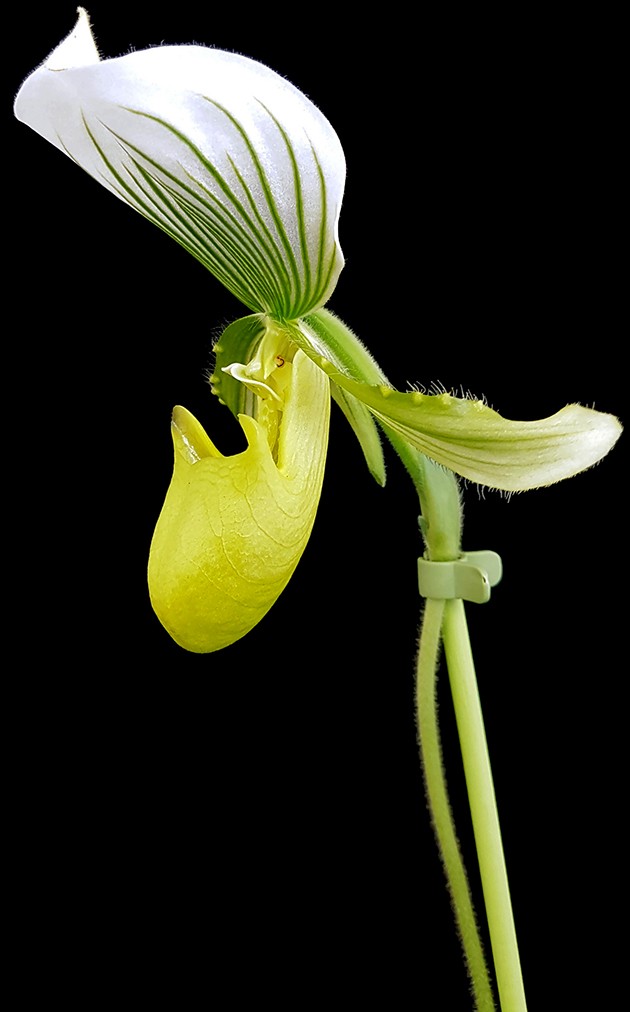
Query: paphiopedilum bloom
{"type": "Point", "coordinates": [243, 171]}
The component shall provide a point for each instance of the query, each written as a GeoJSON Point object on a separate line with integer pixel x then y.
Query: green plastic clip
{"type": "Point", "coordinates": [470, 577]}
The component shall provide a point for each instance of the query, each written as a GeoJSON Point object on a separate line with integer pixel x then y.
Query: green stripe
{"type": "Point", "coordinates": [135, 199]}
{"type": "Point", "coordinates": [205, 247]}
{"type": "Point", "coordinates": [299, 206]}
{"type": "Point", "coordinates": [289, 309]}
{"type": "Point", "coordinates": [232, 239]}
{"type": "Point", "coordinates": [263, 240]}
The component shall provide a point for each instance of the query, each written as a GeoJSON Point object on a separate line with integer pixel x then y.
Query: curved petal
{"type": "Point", "coordinates": [233, 529]}
{"type": "Point", "coordinates": [324, 335]}
{"type": "Point", "coordinates": [466, 436]}
{"type": "Point", "coordinates": [477, 443]}
{"type": "Point", "coordinates": [219, 151]}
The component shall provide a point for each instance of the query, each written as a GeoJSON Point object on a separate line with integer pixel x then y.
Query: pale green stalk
{"type": "Point", "coordinates": [441, 524]}
{"type": "Point", "coordinates": [483, 807]}
{"type": "Point", "coordinates": [435, 783]}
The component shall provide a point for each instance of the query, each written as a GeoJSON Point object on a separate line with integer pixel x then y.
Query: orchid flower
{"type": "Point", "coordinates": [245, 173]}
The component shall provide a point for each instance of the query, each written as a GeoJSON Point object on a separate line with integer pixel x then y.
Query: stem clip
{"type": "Point", "coordinates": [470, 577]}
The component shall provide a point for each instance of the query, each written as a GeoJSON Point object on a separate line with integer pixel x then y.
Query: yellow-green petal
{"type": "Point", "coordinates": [477, 443]}
{"type": "Point", "coordinates": [232, 529]}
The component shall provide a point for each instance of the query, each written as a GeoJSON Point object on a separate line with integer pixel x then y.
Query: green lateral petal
{"type": "Point", "coordinates": [471, 439]}
{"type": "Point", "coordinates": [217, 150]}
{"type": "Point", "coordinates": [233, 529]}
{"type": "Point", "coordinates": [322, 334]}
{"type": "Point", "coordinates": [364, 429]}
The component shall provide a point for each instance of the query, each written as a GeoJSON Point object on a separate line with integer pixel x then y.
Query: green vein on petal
{"type": "Point", "coordinates": [214, 241]}
{"type": "Point", "coordinates": [323, 282]}
{"type": "Point", "coordinates": [299, 210]}
{"type": "Point", "coordinates": [256, 241]}
{"type": "Point", "coordinates": [288, 309]}
{"type": "Point", "coordinates": [250, 181]}
{"type": "Point", "coordinates": [477, 443]}
{"type": "Point", "coordinates": [132, 197]}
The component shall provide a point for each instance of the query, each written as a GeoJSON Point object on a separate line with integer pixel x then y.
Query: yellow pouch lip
{"type": "Point", "coordinates": [233, 529]}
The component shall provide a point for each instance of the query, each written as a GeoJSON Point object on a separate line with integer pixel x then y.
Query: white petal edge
{"type": "Point", "coordinates": [221, 152]}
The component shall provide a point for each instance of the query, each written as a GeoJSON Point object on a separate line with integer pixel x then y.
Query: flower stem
{"type": "Point", "coordinates": [435, 783]}
{"type": "Point", "coordinates": [441, 525]}
{"type": "Point", "coordinates": [483, 807]}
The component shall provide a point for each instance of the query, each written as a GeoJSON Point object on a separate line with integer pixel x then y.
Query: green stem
{"type": "Point", "coordinates": [441, 524]}
{"type": "Point", "coordinates": [435, 783]}
{"type": "Point", "coordinates": [483, 807]}
{"type": "Point", "coordinates": [438, 492]}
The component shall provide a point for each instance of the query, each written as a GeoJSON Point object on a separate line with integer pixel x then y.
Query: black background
{"type": "Point", "coordinates": [254, 820]}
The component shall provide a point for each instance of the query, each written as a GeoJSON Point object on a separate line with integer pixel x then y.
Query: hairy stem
{"type": "Point", "coordinates": [483, 807]}
{"type": "Point", "coordinates": [435, 784]}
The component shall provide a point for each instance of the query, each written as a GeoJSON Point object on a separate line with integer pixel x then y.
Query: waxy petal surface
{"type": "Point", "coordinates": [222, 153]}
{"type": "Point", "coordinates": [233, 529]}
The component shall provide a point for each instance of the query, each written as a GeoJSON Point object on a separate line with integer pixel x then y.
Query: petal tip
{"type": "Point", "coordinates": [78, 49]}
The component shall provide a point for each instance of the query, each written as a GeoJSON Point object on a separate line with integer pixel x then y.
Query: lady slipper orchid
{"type": "Point", "coordinates": [245, 173]}
{"type": "Point", "coordinates": [242, 170]}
